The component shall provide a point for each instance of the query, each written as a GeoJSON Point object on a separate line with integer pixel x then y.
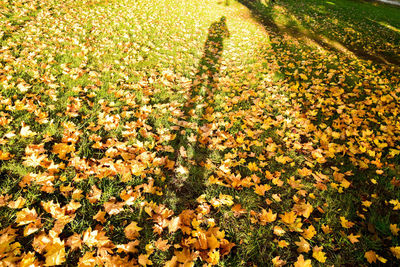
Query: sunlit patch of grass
{"type": "Point", "coordinates": [123, 73]}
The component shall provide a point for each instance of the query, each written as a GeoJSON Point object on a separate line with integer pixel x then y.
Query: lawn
{"type": "Point", "coordinates": [195, 133]}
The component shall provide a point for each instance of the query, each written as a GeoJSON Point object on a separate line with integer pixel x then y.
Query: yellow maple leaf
{"type": "Point", "coordinates": [225, 246]}
{"type": "Point", "coordinates": [253, 166]}
{"type": "Point", "coordinates": [288, 218]}
{"type": "Point", "coordinates": [91, 238]}
{"type": "Point", "coordinates": [55, 254]}
{"type": "Point", "coordinates": [26, 216]}
{"type": "Point", "coordinates": [100, 216]}
{"type": "Point", "coordinates": [33, 160]}
{"type": "Point", "coordinates": [304, 209]}
{"type": "Point", "coordinates": [212, 242]}
{"type": "Point", "coordinates": [28, 260]}
{"type": "Point", "coordinates": [396, 204]}
{"type": "Point", "coordinates": [32, 228]}
{"type": "Point", "coordinates": [130, 247]}
{"type": "Point", "coordinates": [5, 155]}
{"type": "Point", "coordinates": [185, 256]}
{"type": "Point", "coordinates": [303, 76]}
{"type": "Point", "coordinates": [394, 229]}
{"type": "Point", "coordinates": [371, 256]}
{"type": "Point", "coordinates": [366, 203]}
{"type": "Point", "coordinates": [302, 263]}
{"type": "Point", "coordinates": [396, 251]}
{"type": "Point", "coordinates": [309, 232]}
{"type": "Point", "coordinates": [95, 194]}
{"type": "Point", "coordinates": [26, 132]}
{"type": "Point", "coordinates": [283, 159]}
{"type": "Point", "coordinates": [283, 244]}
{"type": "Point", "coordinates": [17, 204]}
{"type": "Point", "coordinates": [318, 254]}
{"type": "Point", "coordinates": [172, 262]}
{"type": "Point", "coordinates": [182, 170]}
{"type": "Point", "coordinates": [74, 241]}
{"type": "Point", "coordinates": [261, 189]}
{"type": "Point", "coordinates": [326, 229]}
{"type": "Point", "coordinates": [213, 257]}
{"type": "Point", "coordinates": [345, 223]}
{"type": "Point", "coordinates": [345, 183]}
{"type": "Point", "coordinates": [277, 262]}
{"type": "Point", "coordinates": [238, 210]}
{"type": "Point", "coordinates": [112, 207]}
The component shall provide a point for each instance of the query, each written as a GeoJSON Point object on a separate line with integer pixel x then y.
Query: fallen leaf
{"type": "Point", "coordinates": [303, 245]}
{"type": "Point", "coordinates": [132, 231]}
{"type": "Point", "coordinates": [301, 262]}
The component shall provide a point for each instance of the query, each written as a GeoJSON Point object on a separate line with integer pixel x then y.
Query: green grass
{"type": "Point", "coordinates": [165, 113]}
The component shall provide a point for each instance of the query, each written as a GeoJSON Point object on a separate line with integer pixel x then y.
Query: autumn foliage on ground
{"type": "Point", "coordinates": [182, 133]}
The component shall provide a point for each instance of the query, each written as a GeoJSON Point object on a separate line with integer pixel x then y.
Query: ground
{"type": "Point", "coordinates": [229, 133]}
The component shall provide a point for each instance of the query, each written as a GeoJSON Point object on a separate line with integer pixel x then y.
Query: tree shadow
{"type": "Point", "coordinates": [326, 37]}
{"type": "Point", "coordinates": [189, 176]}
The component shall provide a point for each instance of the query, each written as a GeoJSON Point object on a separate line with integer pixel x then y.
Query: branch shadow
{"type": "Point", "coordinates": [264, 13]}
{"type": "Point", "coordinates": [189, 186]}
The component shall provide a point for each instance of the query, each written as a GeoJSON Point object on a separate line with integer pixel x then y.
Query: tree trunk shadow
{"type": "Point", "coordinates": [264, 14]}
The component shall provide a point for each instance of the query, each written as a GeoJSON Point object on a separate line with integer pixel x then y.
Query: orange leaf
{"type": "Point", "coordinates": [62, 149]}
{"type": "Point", "coordinates": [5, 155]}
{"type": "Point", "coordinates": [132, 231]}
{"type": "Point", "coordinates": [283, 244]}
{"type": "Point", "coordinates": [303, 245]}
{"type": "Point", "coordinates": [144, 260]}
{"type": "Point", "coordinates": [100, 216]}
{"type": "Point", "coordinates": [237, 210]}
{"type": "Point", "coordinates": [267, 216]}
{"type": "Point", "coordinates": [130, 247]}
{"type": "Point", "coordinates": [353, 238]}
{"type": "Point", "coordinates": [370, 256]}
{"type": "Point", "coordinates": [304, 172]}
{"type": "Point", "coordinates": [162, 244]}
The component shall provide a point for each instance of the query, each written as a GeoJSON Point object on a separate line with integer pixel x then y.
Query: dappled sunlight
{"type": "Point", "coordinates": [389, 26]}
{"type": "Point", "coordinates": [183, 133]}
{"type": "Point", "coordinates": [310, 21]}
